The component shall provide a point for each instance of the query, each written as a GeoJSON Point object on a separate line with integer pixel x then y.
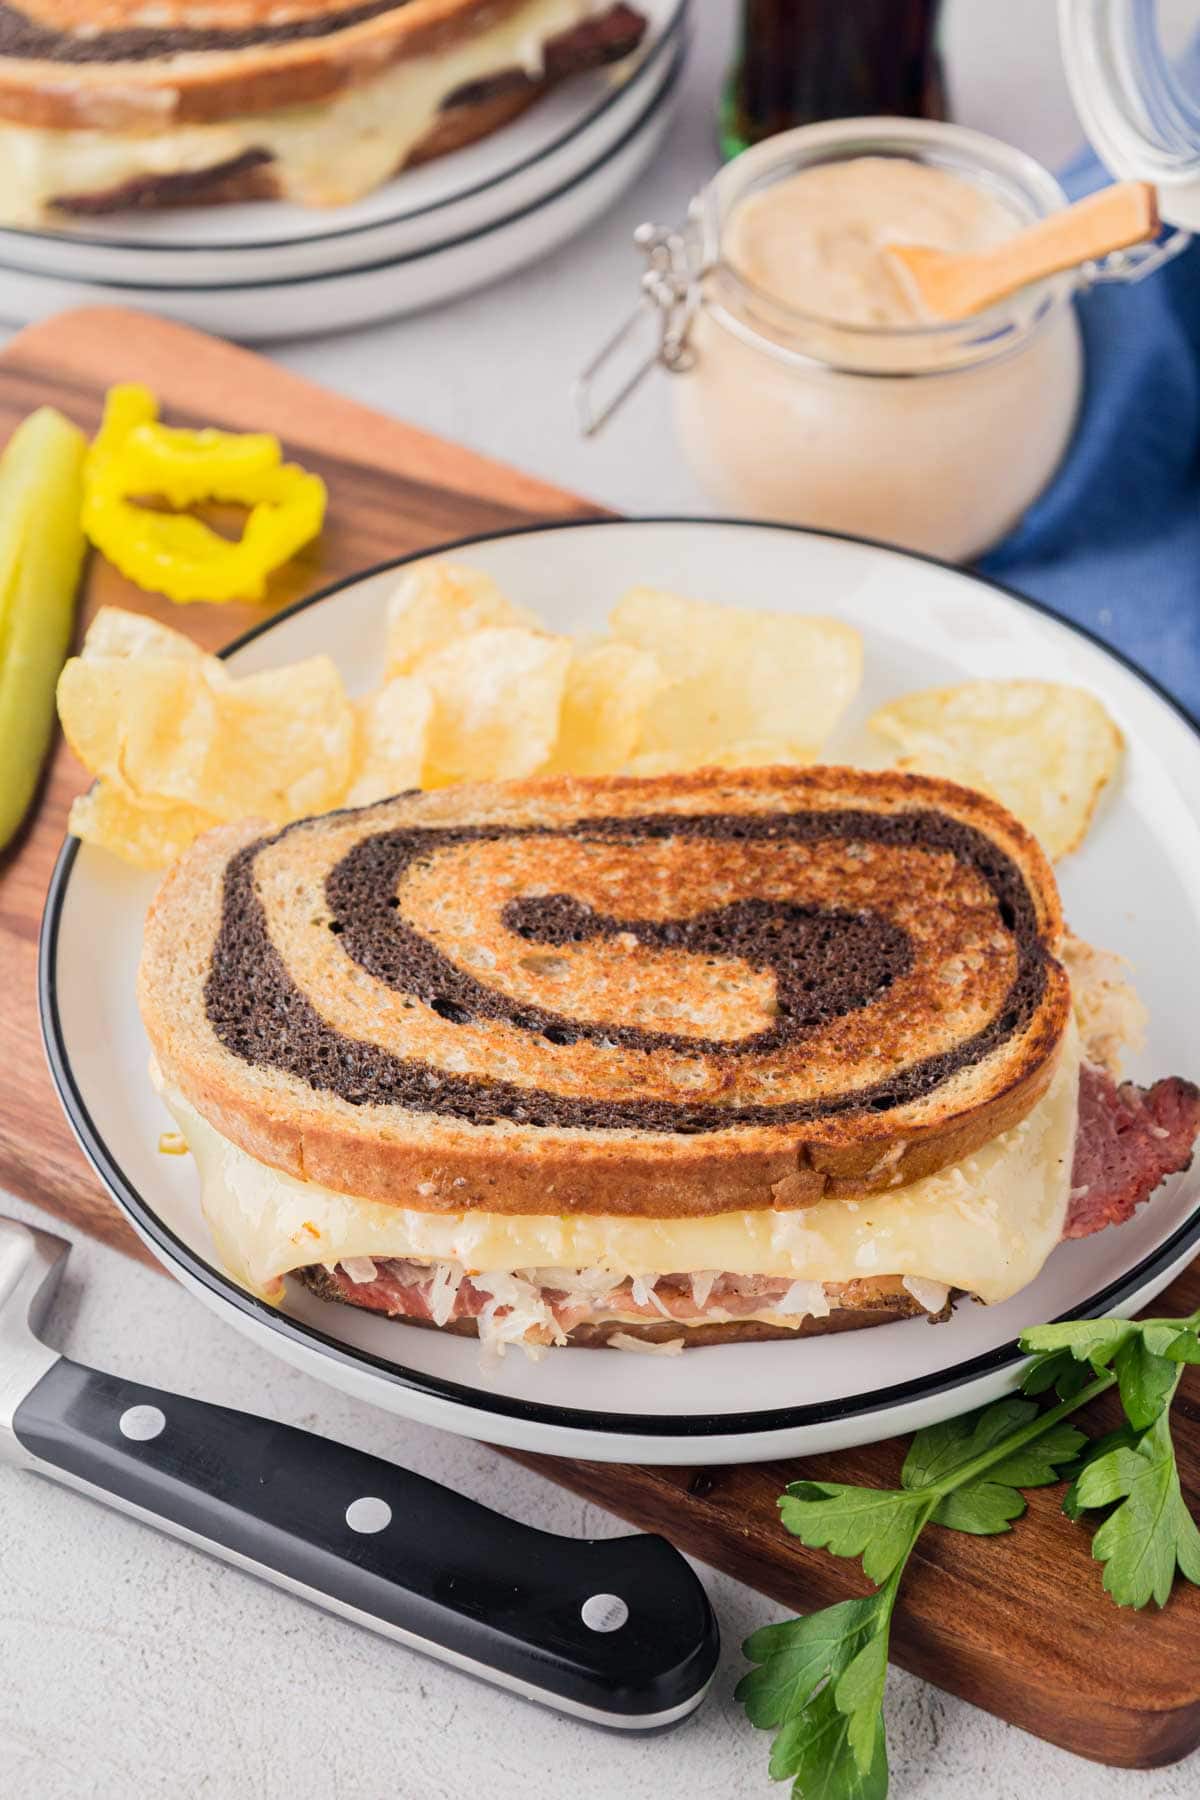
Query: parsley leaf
{"type": "Point", "coordinates": [830, 1742]}
{"type": "Point", "coordinates": [941, 1454]}
{"type": "Point", "coordinates": [1102, 1342]}
{"type": "Point", "coordinates": [1088, 1340]}
{"type": "Point", "coordinates": [1040, 1461]}
{"type": "Point", "coordinates": [1151, 1533]}
{"type": "Point", "coordinates": [1059, 1370]}
{"type": "Point", "coordinates": [940, 1451]}
{"type": "Point", "coordinates": [1147, 1380]}
{"type": "Point", "coordinates": [1096, 1448]}
{"type": "Point", "coordinates": [859, 1696]}
{"type": "Point", "coordinates": [825, 1767]}
{"type": "Point", "coordinates": [1184, 1347]}
{"type": "Point", "coordinates": [988, 1502]}
{"type": "Point", "coordinates": [878, 1524]}
{"type": "Point", "coordinates": [797, 1656]}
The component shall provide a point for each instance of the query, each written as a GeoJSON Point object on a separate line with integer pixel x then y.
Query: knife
{"type": "Point", "coordinates": [618, 1632]}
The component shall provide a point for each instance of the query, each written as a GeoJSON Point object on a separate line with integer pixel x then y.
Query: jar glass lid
{"type": "Point", "coordinates": [1134, 107]}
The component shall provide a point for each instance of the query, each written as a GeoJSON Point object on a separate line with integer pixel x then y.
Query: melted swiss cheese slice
{"type": "Point", "coordinates": [986, 1224]}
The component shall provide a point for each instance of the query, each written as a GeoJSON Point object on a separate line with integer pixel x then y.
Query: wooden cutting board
{"type": "Point", "coordinates": [1016, 1624]}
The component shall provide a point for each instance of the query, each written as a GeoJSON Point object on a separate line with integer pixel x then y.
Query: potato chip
{"type": "Point", "coordinates": [436, 603]}
{"type": "Point", "coordinates": [165, 732]}
{"type": "Point", "coordinates": [391, 727]}
{"type": "Point", "coordinates": [147, 723]}
{"type": "Point", "coordinates": [116, 632]}
{"type": "Point", "coordinates": [284, 745]}
{"type": "Point", "coordinates": [151, 837]}
{"type": "Point", "coordinates": [608, 690]}
{"type": "Point", "coordinates": [497, 696]}
{"type": "Point", "coordinates": [739, 677]}
{"type": "Point", "coordinates": [1043, 750]}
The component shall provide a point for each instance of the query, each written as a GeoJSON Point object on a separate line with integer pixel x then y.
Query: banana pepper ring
{"type": "Point", "coordinates": [173, 553]}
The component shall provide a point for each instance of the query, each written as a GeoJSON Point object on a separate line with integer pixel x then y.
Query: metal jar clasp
{"type": "Point", "coordinates": [669, 298]}
{"type": "Point", "coordinates": [1135, 263]}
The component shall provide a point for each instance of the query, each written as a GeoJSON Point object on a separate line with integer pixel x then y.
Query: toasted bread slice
{"type": "Point", "coordinates": [660, 998]}
{"type": "Point", "coordinates": [149, 69]}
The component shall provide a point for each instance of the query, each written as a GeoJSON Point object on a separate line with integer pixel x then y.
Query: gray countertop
{"type": "Point", "coordinates": [132, 1667]}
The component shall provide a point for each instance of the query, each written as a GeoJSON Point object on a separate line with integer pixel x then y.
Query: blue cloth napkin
{"type": "Point", "coordinates": [1114, 542]}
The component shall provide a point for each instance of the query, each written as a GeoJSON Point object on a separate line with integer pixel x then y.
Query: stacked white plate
{"type": "Point", "coordinates": [268, 270]}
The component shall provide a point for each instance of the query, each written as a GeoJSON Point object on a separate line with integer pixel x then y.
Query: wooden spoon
{"type": "Point", "coordinates": [953, 286]}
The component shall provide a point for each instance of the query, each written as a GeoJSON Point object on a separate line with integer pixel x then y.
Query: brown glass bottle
{"type": "Point", "coordinates": [802, 60]}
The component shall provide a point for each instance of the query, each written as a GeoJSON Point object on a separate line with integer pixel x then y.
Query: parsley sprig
{"type": "Point", "coordinates": [819, 1680]}
{"type": "Point", "coordinates": [1150, 1533]}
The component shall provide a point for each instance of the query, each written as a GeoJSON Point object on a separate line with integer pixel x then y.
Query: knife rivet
{"type": "Point", "coordinates": [368, 1515]}
{"type": "Point", "coordinates": [141, 1423]}
{"type": "Point", "coordinates": [604, 1612]}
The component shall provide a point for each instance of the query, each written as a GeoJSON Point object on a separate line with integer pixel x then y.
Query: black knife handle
{"type": "Point", "coordinates": [618, 1631]}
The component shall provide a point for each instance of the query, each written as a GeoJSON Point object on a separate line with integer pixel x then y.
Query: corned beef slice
{"type": "Point", "coordinates": [1129, 1139]}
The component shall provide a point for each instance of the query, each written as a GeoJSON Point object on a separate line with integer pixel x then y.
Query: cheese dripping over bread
{"type": "Point", "coordinates": [985, 1225]}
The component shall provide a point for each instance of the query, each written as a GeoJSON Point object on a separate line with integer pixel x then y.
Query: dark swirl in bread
{"type": "Point", "coordinates": [825, 962]}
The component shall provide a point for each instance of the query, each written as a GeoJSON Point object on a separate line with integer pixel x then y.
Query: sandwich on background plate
{"type": "Point", "coordinates": [314, 101]}
{"type": "Point", "coordinates": [708, 1057]}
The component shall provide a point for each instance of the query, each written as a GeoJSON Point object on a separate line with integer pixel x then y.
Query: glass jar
{"type": "Point", "coordinates": [932, 437]}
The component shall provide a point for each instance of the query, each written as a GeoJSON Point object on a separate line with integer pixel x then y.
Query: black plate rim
{"type": "Point", "coordinates": [699, 1427]}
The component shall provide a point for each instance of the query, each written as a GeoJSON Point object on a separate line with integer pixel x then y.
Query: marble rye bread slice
{"type": "Point", "coordinates": [663, 998]}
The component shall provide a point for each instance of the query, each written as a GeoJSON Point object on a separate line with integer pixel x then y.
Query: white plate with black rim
{"type": "Point", "coordinates": [469, 190]}
{"type": "Point", "coordinates": [258, 311]}
{"type": "Point", "coordinates": [1135, 887]}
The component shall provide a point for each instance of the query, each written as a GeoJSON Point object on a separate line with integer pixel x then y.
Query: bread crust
{"type": "Point", "coordinates": [441, 1164]}
{"type": "Point", "coordinates": [210, 86]}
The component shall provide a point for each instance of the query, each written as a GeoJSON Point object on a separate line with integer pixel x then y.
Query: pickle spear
{"type": "Point", "coordinates": [41, 551]}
